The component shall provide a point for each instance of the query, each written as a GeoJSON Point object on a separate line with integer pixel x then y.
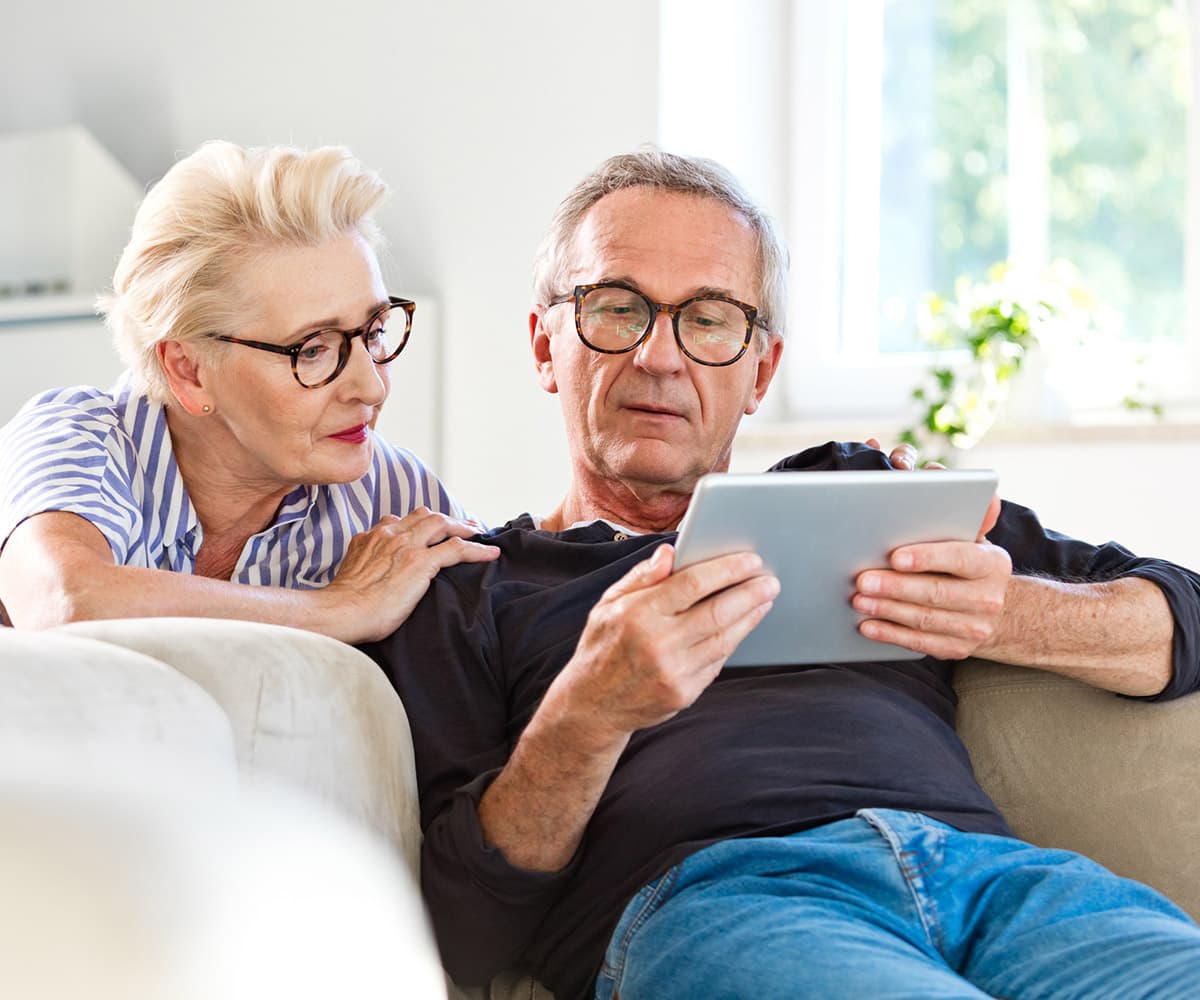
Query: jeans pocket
{"type": "Point", "coordinates": [645, 902]}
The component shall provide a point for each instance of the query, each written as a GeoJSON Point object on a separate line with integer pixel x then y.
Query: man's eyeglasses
{"type": "Point", "coordinates": [613, 318]}
{"type": "Point", "coordinates": [320, 357]}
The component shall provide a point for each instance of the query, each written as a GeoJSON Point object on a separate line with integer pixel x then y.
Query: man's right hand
{"type": "Point", "coordinates": [656, 639]}
{"type": "Point", "coordinates": [651, 645]}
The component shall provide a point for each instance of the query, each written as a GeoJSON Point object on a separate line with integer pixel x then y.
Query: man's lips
{"type": "Point", "coordinates": [354, 435]}
{"type": "Point", "coordinates": [653, 409]}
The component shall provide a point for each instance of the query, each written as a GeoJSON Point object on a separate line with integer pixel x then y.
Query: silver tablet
{"type": "Point", "coordinates": [816, 531]}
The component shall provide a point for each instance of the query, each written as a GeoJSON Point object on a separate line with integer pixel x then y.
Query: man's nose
{"type": "Point", "coordinates": [659, 352]}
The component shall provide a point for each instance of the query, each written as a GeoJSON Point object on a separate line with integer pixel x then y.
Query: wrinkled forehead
{"type": "Point", "coordinates": [648, 234]}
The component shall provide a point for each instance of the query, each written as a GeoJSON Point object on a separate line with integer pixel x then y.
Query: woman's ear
{"type": "Point", "coordinates": [184, 375]}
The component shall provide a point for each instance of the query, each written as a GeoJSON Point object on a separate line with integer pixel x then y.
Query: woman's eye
{"type": "Point", "coordinates": [310, 352]}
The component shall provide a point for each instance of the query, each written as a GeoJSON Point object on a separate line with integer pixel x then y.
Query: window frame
{"type": "Point", "coordinates": [816, 100]}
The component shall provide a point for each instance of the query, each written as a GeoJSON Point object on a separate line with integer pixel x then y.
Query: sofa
{"type": "Point", "coordinates": [1070, 766]}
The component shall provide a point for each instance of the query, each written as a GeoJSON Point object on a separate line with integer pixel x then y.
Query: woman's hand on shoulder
{"type": "Point", "coordinates": [388, 568]}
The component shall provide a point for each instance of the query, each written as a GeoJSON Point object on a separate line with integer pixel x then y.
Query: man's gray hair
{"type": "Point", "coordinates": [655, 168]}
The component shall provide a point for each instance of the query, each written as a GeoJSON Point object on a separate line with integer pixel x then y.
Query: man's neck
{"type": "Point", "coordinates": [647, 509]}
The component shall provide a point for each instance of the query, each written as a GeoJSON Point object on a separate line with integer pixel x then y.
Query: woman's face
{"type": "Point", "coordinates": [281, 432]}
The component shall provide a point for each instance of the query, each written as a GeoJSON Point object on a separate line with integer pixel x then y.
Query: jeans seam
{"type": "Point", "coordinates": [662, 890]}
{"type": "Point", "coordinates": [912, 876]}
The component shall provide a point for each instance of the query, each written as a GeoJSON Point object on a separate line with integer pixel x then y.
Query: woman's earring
{"type": "Point", "coordinates": [207, 408]}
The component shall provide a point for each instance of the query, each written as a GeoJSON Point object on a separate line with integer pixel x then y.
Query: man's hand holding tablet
{"type": "Point", "coordinates": [906, 551]}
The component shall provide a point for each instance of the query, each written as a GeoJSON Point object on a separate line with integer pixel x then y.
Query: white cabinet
{"type": "Point", "coordinates": [44, 345]}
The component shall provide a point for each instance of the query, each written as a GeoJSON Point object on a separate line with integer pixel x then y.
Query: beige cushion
{"type": "Point", "coordinates": [304, 708]}
{"type": "Point", "coordinates": [1072, 766]}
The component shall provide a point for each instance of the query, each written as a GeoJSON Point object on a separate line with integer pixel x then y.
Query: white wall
{"type": "Point", "coordinates": [479, 115]}
{"type": "Point", "coordinates": [1134, 485]}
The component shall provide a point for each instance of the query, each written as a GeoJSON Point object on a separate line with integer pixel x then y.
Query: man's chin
{"type": "Point", "coordinates": [658, 464]}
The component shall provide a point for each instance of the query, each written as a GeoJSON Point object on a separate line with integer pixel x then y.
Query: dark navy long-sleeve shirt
{"type": "Point", "coordinates": [762, 752]}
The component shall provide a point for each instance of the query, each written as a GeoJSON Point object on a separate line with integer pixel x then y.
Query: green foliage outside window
{"type": "Point", "coordinates": [1000, 324]}
{"type": "Point", "coordinates": [1112, 82]}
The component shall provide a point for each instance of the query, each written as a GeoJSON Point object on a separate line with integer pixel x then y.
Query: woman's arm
{"type": "Point", "coordinates": [57, 567]}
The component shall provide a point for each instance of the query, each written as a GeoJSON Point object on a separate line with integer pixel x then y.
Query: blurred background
{"type": "Point", "coordinates": [992, 203]}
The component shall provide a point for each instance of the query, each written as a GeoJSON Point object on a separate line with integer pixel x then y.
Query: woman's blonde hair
{"type": "Point", "coordinates": [210, 214]}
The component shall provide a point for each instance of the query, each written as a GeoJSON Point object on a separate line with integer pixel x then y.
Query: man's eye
{"type": "Point", "coordinates": [612, 312]}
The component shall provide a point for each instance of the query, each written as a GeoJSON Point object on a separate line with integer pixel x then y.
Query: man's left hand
{"type": "Point", "coordinates": [903, 456]}
{"type": "Point", "coordinates": [944, 599]}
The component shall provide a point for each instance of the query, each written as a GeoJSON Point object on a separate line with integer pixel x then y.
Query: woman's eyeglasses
{"type": "Point", "coordinates": [321, 356]}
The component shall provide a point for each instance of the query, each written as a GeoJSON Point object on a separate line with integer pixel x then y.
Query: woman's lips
{"type": "Point", "coordinates": [352, 435]}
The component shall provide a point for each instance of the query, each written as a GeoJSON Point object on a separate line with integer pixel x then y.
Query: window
{"type": "Point", "coordinates": [904, 143]}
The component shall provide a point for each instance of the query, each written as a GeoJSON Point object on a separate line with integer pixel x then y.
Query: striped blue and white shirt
{"type": "Point", "coordinates": [107, 456]}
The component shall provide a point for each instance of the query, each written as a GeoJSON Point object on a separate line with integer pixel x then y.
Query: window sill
{"type": "Point", "coordinates": [1110, 427]}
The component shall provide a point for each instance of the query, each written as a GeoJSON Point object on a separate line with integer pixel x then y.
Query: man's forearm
{"type": "Point", "coordinates": [537, 808]}
{"type": "Point", "coordinates": [1115, 635]}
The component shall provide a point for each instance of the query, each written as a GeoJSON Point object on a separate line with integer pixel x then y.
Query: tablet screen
{"type": "Point", "coordinates": [816, 531]}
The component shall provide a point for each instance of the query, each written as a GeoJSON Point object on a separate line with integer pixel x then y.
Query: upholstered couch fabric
{"type": "Point", "coordinates": [1114, 778]}
{"type": "Point", "coordinates": [302, 707]}
{"type": "Point", "coordinates": [1069, 765]}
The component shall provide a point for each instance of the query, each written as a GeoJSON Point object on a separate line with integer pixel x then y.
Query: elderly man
{"type": "Point", "coordinates": [606, 806]}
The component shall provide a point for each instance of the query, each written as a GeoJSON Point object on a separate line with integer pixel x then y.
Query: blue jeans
{"type": "Point", "coordinates": [895, 904]}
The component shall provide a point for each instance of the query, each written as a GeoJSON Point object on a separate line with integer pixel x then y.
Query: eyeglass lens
{"type": "Point", "coordinates": [614, 319]}
{"type": "Point", "coordinates": [324, 353]}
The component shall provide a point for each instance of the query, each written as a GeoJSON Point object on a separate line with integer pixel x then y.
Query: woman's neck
{"type": "Point", "coordinates": [228, 505]}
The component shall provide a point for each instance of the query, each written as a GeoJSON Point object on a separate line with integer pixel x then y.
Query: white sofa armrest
{"type": "Point", "coordinates": [305, 708]}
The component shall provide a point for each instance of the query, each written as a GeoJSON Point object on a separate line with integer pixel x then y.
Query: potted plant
{"type": "Point", "coordinates": [998, 329]}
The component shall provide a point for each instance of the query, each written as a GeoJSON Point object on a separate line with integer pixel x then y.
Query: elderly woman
{"type": "Point", "coordinates": [237, 452]}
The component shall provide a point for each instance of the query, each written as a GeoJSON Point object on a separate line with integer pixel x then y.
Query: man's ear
{"type": "Point", "coordinates": [766, 364]}
{"type": "Point", "coordinates": [539, 342]}
{"type": "Point", "coordinates": [184, 376]}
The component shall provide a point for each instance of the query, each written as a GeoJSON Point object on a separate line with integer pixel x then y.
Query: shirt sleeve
{"type": "Point", "coordinates": [1036, 550]}
{"type": "Point", "coordinates": [444, 664]}
{"type": "Point", "coordinates": [64, 456]}
{"type": "Point", "coordinates": [1039, 551]}
{"type": "Point", "coordinates": [405, 483]}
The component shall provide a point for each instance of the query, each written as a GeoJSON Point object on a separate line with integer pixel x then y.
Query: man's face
{"type": "Point", "coordinates": [652, 418]}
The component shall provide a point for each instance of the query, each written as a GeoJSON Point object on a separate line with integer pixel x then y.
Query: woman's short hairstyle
{"type": "Point", "coordinates": [198, 226]}
{"type": "Point", "coordinates": [655, 168]}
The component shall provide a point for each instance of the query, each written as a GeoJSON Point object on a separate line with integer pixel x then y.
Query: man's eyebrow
{"type": "Point", "coordinates": [625, 279]}
{"type": "Point", "coordinates": [332, 324]}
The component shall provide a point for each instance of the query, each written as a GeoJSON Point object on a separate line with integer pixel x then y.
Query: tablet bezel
{"type": "Point", "coordinates": [861, 517]}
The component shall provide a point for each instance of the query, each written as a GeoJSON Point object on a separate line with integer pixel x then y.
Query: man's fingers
{"type": "Point", "coordinates": [968, 560]}
{"type": "Point", "coordinates": [644, 574]}
{"type": "Point", "coordinates": [990, 518]}
{"type": "Point", "coordinates": [723, 610]}
{"type": "Point", "coordinates": [930, 590]}
{"type": "Point", "coordinates": [944, 647]}
{"type": "Point", "coordinates": [903, 456]}
{"type": "Point", "coordinates": [701, 580]}
{"type": "Point", "coordinates": [714, 648]}
{"type": "Point", "coordinates": [973, 625]}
